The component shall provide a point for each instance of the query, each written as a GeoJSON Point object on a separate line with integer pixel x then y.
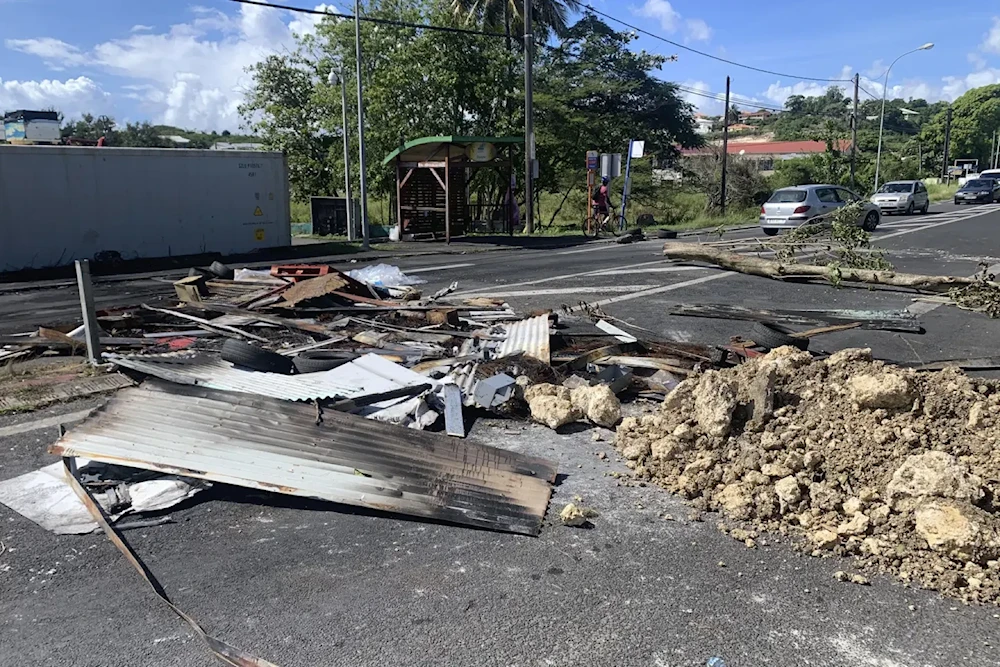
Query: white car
{"type": "Point", "coordinates": [902, 197]}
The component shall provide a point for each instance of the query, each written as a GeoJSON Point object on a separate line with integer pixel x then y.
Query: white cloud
{"type": "Point", "coordinates": [193, 74]}
{"type": "Point", "coordinates": [72, 97]}
{"type": "Point", "coordinates": [662, 11]}
{"type": "Point", "coordinates": [141, 28]}
{"type": "Point", "coordinates": [697, 30]}
{"type": "Point", "coordinates": [991, 42]}
{"type": "Point", "coordinates": [976, 60]}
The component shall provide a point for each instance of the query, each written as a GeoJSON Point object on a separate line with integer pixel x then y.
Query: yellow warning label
{"type": "Point", "coordinates": [258, 234]}
{"type": "Point", "coordinates": [257, 212]}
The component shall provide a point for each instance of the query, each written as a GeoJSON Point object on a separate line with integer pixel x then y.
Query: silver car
{"type": "Point", "coordinates": [902, 197]}
{"type": "Point", "coordinates": [791, 207]}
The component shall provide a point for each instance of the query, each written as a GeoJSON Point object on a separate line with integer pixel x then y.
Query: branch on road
{"type": "Point", "coordinates": [779, 270]}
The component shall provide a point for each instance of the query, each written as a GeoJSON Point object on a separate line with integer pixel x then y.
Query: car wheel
{"type": "Point", "coordinates": [221, 270]}
{"type": "Point", "coordinates": [770, 338]}
{"type": "Point", "coordinates": [313, 361]}
{"type": "Point", "coordinates": [871, 222]}
{"type": "Point", "coordinates": [770, 232]}
{"type": "Point", "coordinates": [250, 356]}
{"type": "Point", "coordinates": [909, 209]}
{"type": "Point", "coordinates": [926, 207]}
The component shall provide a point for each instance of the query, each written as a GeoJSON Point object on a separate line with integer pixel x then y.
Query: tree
{"type": "Point", "coordinates": [547, 16]}
{"type": "Point", "coordinates": [975, 116]}
{"type": "Point", "coordinates": [593, 92]}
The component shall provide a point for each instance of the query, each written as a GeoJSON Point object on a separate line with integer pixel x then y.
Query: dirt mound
{"type": "Point", "coordinates": [900, 469]}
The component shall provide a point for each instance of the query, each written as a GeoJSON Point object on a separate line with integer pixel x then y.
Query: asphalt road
{"type": "Point", "coordinates": [317, 584]}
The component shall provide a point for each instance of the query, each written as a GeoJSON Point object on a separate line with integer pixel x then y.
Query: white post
{"type": "Point", "coordinates": [885, 91]}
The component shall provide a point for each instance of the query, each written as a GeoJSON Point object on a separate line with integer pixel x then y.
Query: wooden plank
{"type": "Point", "coordinates": [264, 317]}
{"type": "Point", "coordinates": [206, 324]}
{"type": "Point", "coordinates": [871, 319]}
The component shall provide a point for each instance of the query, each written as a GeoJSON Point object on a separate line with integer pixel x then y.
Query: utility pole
{"type": "Point", "coordinates": [349, 201]}
{"type": "Point", "coordinates": [993, 147]}
{"type": "Point", "coordinates": [529, 130]}
{"type": "Point", "coordinates": [854, 129]}
{"type": "Point", "coordinates": [361, 131]}
{"type": "Point", "coordinates": [947, 143]}
{"type": "Point", "coordinates": [725, 149]}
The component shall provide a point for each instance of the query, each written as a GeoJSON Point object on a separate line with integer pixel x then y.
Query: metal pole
{"type": "Point", "coordinates": [996, 158]}
{"type": "Point", "coordinates": [628, 175]}
{"type": "Point", "coordinates": [885, 91]}
{"type": "Point", "coordinates": [529, 130]}
{"type": "Point", "coordinates": [725, 149]}
{"type": "Point", "coordinates": [947, 144]}
{"type": "Point", "coordinates": [91, 330]}
{"type": "Point", "coordinates": [854, 130]}
{"type": "Point", "coordinates": [361, 131]}
{"type": "Point", "coordinates": [349, 203]}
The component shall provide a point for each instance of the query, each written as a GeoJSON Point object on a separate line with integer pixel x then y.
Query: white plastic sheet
{"type": "Point", "coordinates": [384, 275]}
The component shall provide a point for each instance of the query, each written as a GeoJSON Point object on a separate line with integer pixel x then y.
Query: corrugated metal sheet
{"type": "Point", "coordinates": [274, 445]}
{"type": "Point", "coordinates": [370, 374]}
{"type": "Point", "coordinates": [529, 337]}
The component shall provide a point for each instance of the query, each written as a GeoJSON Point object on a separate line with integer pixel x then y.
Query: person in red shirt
{"type": "Point", "coordinates": [602, 200]}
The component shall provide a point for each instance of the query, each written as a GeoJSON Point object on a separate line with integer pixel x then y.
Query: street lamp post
{"type": "Point", "coordinates": [885, 91]}
{"type": "Point", "coordinates": [333, 79]}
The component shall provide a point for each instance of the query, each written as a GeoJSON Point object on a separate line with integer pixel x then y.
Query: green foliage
{"type": "Point", "coordinates": [975, 116]}
{"type": "Point", "coordinates": [836, 241]}
{"type": "Point", "coordinates": [982, 296]}
{"type": "Point", "coordinates": [140, 135]}
{"type": "Point", "coordinates": [548, 16]}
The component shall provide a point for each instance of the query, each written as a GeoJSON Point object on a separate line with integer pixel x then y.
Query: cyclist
{"type": "Point", "coordinates": [602, 201]}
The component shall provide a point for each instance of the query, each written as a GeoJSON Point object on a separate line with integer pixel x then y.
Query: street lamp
{"type": "Point", "coordinates": [885, 90]}
{"type": "Point", "coordinates": [333, 79]}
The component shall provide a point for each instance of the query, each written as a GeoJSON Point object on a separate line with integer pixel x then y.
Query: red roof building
{"type": "Point", "coordinates": [766, 152]}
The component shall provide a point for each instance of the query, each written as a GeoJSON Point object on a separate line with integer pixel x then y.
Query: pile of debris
{"type": "Point", "coordinates": [856, 457]}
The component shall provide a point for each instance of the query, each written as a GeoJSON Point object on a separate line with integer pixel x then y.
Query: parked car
{"type": "Point", "coordinates": [990, 173]}
{"type": "Point", "coordinates": [978, 191]}
{"type": "Point", "coordinates": [789, 208]}
{"type": "Point", "coordinates": [902, 197]}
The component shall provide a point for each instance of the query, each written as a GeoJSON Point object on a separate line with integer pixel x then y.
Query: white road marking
{"type": "Point", "coordinates": [567, 290]}
{"type": "Point", "coordinates": [47, 422]}
{"type": "Point", "coordinates": [605, 246]}
{"type": "Point", "coordinates": [565, 276]}
{"type": "Point", "coordinates": [654, 269]}
{"type": "Point", "coordinates": [443, 267]}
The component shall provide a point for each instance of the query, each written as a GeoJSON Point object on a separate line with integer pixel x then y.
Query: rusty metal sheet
{"type": "Point", "coordinates": [529, 337]}
{"type": "Point", "coordinates": [273, 445]}
{"type": "Point", "coordinates": [45, 394]}
{"type": "Point", "coordinates": [314, 288]}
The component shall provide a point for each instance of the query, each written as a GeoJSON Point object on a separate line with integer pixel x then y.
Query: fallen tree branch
{"type": "Point", "coordinates": [767, 268]}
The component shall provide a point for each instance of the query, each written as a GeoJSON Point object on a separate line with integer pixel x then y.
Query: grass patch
{"type": "Point", "coordinates": [941, 191]}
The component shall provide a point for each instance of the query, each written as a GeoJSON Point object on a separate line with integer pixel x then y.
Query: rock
{"type": "Point", "coordinates": [714, 404]}
{"type": "Point", "coordinates": [959, 529]}
{"type": "Point", "coordinates": [735, 500]}
{"type": "Point", "coordinates": [858, 525]}
{"type": "Point", "coordinates": [849, 355]}
{"type": "Point", "coordinates": [667, 448]}
{"type": "Point", "coordinates": [775, 470]}
{"type": "Point", "coordinates": [596, 436]}
{"type": "Point", "coordinates": [785, 358]}
{"type": "Point", "coordinates": [933, 474]}
{"type": "Point", "coordinates": [636, 449]}
{"type": "Point", "coordinates": [545, 389]}
{"type": "Point", "coordinates": [795, 462]}
{"type": "Point", "coordinates": [598, 404]}
{"type": "Point", "coordinates": [851, 506]}
{"type": "Point", "coordinates": [571, 515]}
{"type": "Point", "coordinates": [703, 462]}
{"type": "Point", "coordinates": [770, 441]}
{"type": "Point", "coordinates": [840, 575]}
{"type": "Point", "coordinates": [679, 399]}
{"type": "Point", "coordinates": [685, 433]}
{"type": "Point", "coordinates": [762, 395]}
{"type": "Point", "coordinates": [812, 460]}
{"type": "Point", "coordinates": [976, 414]}
{"type": "Point", "coordinates": [823, 539]}
{"type": "Point", "coordinates": [552, 411]}
{"type": "Point", "coordinates": [888, 390]}
{"type": "Point", "coordinates": [789, 492]}
{"type": "Point", "coordinates": [824, 497]}
{"type": "Point", "coordinates": [806, 520]}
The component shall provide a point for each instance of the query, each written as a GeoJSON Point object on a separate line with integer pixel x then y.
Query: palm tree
{"type": "Point", "coordinates": [547, 15]}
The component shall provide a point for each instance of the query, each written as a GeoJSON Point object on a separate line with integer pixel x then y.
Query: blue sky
{"type": "Point", "coordinates": [182, 62]}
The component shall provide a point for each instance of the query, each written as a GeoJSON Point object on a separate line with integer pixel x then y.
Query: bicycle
{"type": "Point", "coordinates": [595, 223]}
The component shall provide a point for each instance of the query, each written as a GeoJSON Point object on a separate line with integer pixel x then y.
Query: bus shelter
{"type": "Point", "coordinates": [446, 186]}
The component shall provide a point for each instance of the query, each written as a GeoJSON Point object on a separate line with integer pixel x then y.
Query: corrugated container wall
{"type": "Point", "coordinates": [61, 203]}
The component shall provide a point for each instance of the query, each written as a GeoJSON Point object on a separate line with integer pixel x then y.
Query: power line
{"type": "Point", "coordinates": [401, 24]}
{"type": "Point", "coordinates": [720, 98]}
{"type": "Point", "coordinates": [867, 93]}
{"type": "Point", "coordinates": [709, 55]}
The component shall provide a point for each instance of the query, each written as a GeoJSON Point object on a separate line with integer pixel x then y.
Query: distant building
{"type": "Point", "coordinates": [755, 116]}
{"type": "Point", "coordinates": [229, 146]}
{"type": "Point", "coordinates": [766, 153]}
{"type": "Point", "coordinates": [742, 127]}
{"type": "Point", "coordinates": [31, 127]}
{"type": "Point", "coordinates": [703, 124]}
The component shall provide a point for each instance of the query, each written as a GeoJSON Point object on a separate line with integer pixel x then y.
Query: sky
{"type": "Point", "coordinates": [182, 62]}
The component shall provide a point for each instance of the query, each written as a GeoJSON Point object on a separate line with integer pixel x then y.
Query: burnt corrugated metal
{"type": "Point", "coordinates": [370, 374]}
{"type": "Point", "coordinates": [275, 445]}
{"type": "Point", "coordinates": [529, 337]}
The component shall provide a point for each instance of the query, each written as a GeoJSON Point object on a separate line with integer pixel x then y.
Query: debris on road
{"type": "Point", "coordinates": [575, 516]}
{"type": "Point", "coordinates": [857, 457]}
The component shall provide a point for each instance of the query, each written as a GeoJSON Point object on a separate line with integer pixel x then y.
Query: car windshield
{"type": "Point", "coordinates": [978, 184]}
{"type": "Point", "coordinates": [896, 187]}
{"type": "Point", "coordinates": [787, 197]}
